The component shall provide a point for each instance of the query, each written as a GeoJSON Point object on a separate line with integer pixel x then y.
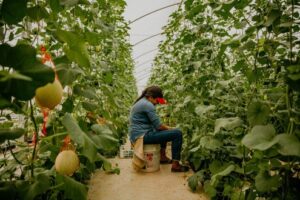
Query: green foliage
{"type": "Point", "coordinates": [230, 72]}
{"type": "Point", "coordinates": [72, 189]}
{"type": "Point", "coordinates": [260, 138]}
{"type": "Point", "coordinates": [86, 42]}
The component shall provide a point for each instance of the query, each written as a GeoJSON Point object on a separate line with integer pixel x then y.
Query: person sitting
{"type": "Point", "coordinates": [144, 122]}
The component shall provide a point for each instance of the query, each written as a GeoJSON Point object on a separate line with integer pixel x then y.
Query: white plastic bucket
{"type": "Point", "coordinates": [152, 157]}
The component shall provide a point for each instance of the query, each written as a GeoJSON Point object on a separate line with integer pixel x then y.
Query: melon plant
{"type": "Point", "coordinates": [67, 162]}
{"type": "Point", "coordinates": [50, 95]}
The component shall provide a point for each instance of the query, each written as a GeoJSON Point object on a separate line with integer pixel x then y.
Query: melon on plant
{"type": "Point", "coordinates": [67, 162]}
{"type": "Point", "coordinates": [50, 95]}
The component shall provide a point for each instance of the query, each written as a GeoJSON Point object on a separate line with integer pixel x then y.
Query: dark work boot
{"type": "Point", "coordinates": [176, 167]}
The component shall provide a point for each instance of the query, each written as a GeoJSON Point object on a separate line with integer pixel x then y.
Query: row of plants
{"type": "Point", "coordinates": [231, 74]}
{"type": "Point", "coordinates": [66, 86]}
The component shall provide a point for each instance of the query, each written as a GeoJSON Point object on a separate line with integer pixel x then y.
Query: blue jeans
{"type": "Point", "coordinates": [162, 137]}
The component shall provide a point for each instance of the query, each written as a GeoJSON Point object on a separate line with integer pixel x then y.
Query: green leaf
{"type": "Point", "coordinates": [4, 53]}
{"type": "Point", "coordinates": [202, 109]}
{"type": "Point", "coordinates": [66, 74]}
{"type": "Point", "coordinates": [21, 56]}
{"type": "Point", "coordinates": [294, 72]}
{"type": "Point", "coordinates": [209, 189]}
{"type": "Point", "coordinates": [72, 189]}
{"type": "Point", "coordinates": [13, 11]}
{"type": "Point", "coordinates": [13, 75]}
{"type": "Point", "coordinates": [40, 185]}
{"type": "Point", "coordinates": [68, 106]}
{"type": "Point", "coordinates": [294, 77]}
{"type": "Point", "coordinates": [195, 180]}
{"type": "Point", "coordinates": [68, 2]}
{"type": "Point", "coordinates": [10, 133]}
{"type": "Point", "coordinates": [76, 50]}
{"type": "Point", "coordinates": [208, 142]}
{"type": "Point", "coordinates": [93, 38]}
{"type": "Point", "coordinates": [272, 16]}
{"type": "Point", "coordinates": [266, 183]}
{"type": "Point", "coordinates": [222, 173]}
{"type": "Point", "coordinates": [257, 113]}
{"type": "Point", "coordinates": [260, 137]}
{"type": "Point", "coordinates": [194, 11]}
{"type": "Point", "coordinates": [79, 56]}
{"type": "Point", "coordinates": [89, 106]}
{"type": "Point", "coordinates": [25, 90]}
{"type": "Point", "coordinates": [104, 137]}
{"type": "Point", "coordinates": [4, 103]}
{"type": "Point", "coordinates": [85, 92]}
{"type": "Point", "coordinates": [55, 6]}
{"type": "Point", "coordinates": [37, 13]}
{"type": "Point", "coordinates": [89, 148]}
{"type": "Point", "coordinates": [8, 190]}
{"type": "Point", "coordinates": [107, 166]}
{"type": "Point", "coordinates": [227, 123]}
{"type": "Point", "coordinates": [289, 145]}
{"type": "Point", "coordinates": [108, 77]}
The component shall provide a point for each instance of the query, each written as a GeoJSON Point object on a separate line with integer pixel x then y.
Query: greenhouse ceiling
{"type": "Point", "coordinates": [145, 33]}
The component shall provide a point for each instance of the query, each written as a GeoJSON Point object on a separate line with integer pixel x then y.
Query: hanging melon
{"type": "Point", "coordinates": [67, 162]}
{"type": "Point", "coordinates": [50, 95]}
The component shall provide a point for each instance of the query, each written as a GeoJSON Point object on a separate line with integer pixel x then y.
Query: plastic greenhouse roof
{"type": "Point", "coordinates": [145, 33]}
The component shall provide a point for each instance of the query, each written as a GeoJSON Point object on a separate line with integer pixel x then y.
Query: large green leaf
{"type": "Point", "coordinates": [13, 11]}
{"type": "Point", "coordinates": [76, 50]}
{"type": "Point", "coordinates": [10, 133]}
{"type": "Point", "coordinates": [227, 123]}
{"type": "Point", "coordinates": [88, 146]}
{"type": "Point", "coordinates": [257, 113]}
{"type": "Point", "coordinates": [260, 137]}
{"type": "Point", "coordinates": [72, 189]}
{"type": "Point", "coordinates": [266, 183]}
{"type": "Point", "coordinates": [29, 75]}
{"type": "Point", "coordinates": [24, 89]}
{"type": "Point", "coordinates": [40, 185]}
{"type": "Point", "coordinates": [289, 145]}
{"type": "Point", "coordinates": [21, 56]}
{"type": "Point", "coordinates": [222, 173]}
{"type": "Point", "coordinates": [104, 137]}
{"type": "Point", "coordinates": [79, 56]}
{"type": "Point", "coordinates": [4, 53]}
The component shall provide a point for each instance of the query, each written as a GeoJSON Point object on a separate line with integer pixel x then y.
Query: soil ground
{"type": "Point", "coordinates": [132, 185]}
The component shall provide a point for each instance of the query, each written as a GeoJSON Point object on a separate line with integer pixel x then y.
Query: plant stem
{"type": "Point", "coordinates": [36, 140]}
{"type": "Point", "coordinates": [13, 154]}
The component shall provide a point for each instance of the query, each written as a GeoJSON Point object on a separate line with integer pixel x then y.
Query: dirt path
{"type": "Point", "coordinates": [130, 185]}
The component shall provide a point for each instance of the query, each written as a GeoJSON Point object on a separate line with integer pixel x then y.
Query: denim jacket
{"type": "Point", "coordinates": [143, 119]}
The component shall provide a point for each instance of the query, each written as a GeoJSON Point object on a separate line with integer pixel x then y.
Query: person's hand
{"type": "Point", "coordinates": [169, 127]}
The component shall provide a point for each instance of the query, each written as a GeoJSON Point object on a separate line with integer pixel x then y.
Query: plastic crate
{"type": "Point", "coordinates": [125, 151]}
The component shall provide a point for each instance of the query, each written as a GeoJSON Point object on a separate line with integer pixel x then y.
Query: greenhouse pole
{"type": "Point", "coordinates": [153, 12]}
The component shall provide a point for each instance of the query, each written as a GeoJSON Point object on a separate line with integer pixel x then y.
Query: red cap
{"type": "Point", "coordinates": [161, 101]}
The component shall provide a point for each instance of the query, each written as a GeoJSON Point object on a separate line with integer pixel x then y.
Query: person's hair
{"type": "Point", "coordinates": [152, 91]}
